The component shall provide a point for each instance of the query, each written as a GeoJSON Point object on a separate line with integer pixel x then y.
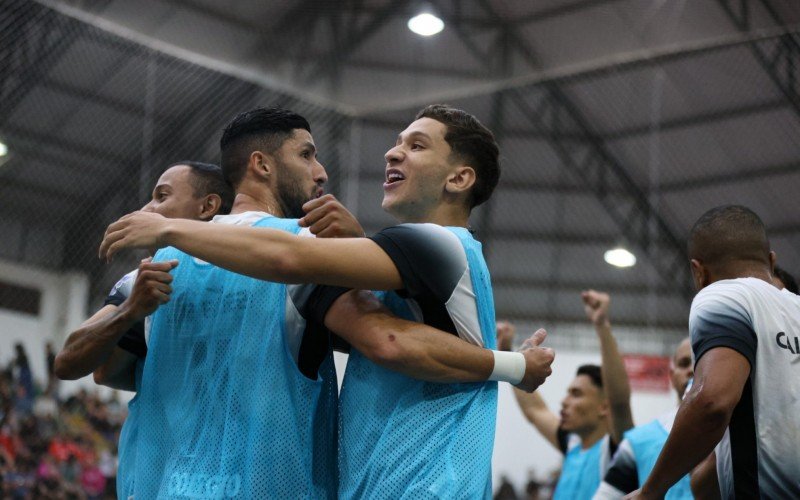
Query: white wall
{"type": "Point", "coordinates": [62, 308]}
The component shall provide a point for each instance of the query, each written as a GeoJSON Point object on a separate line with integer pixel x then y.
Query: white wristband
{"type": "Point", "coordinates": [508, 367]}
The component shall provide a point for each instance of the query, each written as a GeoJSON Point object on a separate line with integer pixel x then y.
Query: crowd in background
{"type": "Point", "coordinates": [51, 448]}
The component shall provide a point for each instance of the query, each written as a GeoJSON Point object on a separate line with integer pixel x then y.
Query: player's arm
{"type": "Point", "coordinates": [118, 371]}
{"type": "Point", "coordinates": [261, 253]}
{"type": "Point", "coordinates": [91, 344]}
{"type": "Point", "coordinates": [423, 352]}
{"type": "Point", "coordinates": [615, 378]}
{"type": "Point", "coordinates": [720, 377]}
{"type": "Point", "coordinates": [704, 482]}
{"type": "Point", "coordinates": [532, 405]}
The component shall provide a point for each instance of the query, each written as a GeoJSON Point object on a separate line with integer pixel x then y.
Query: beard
{"type": "Point", "coordinates": [291, 194]}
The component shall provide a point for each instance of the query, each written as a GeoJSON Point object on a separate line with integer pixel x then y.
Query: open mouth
{"type": "Point", "coordinates": [393, 177]}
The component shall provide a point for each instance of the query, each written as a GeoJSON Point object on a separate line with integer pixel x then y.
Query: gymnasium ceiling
{"type": "Point", "coordinates": [620, 121]}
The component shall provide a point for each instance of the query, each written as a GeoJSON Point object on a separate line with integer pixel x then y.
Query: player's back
{"type": "Point", "coordinates": [760, 453]}
{"type": "Point", "coordinates": [224, 408]}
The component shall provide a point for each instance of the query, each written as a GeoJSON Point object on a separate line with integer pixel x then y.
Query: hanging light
{"type": "Point", "coordinates": [620, 257]}
{"type": "Point", "coordinates": [425, 24]}
{"type": "Point", "coordinates": [3, 149]}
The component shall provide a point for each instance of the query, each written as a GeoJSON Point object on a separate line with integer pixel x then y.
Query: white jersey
{"type": "Point", "coordinates": [760, 453]}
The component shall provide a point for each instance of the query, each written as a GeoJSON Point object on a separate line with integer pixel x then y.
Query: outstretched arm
{"type": "Point", "coordinates": [93, 343]}
{"type": "Point", "coordinates": [423, 352]}
{"type": "Point", "coordinates": [532, 405]}
{"type": "Point", "coordinates": [719, 381]}
{"type": "Point", "coordinates": [615, 378]}
{"type": "Point", "coordinates": [262, 253]}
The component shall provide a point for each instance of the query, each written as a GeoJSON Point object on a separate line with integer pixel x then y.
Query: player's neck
{"type": "Point", "coordinates": [591, 436]}
{"type": "Point", "coordinates": [256, 202]}
{"type": "Point", "coordinates": [443, 215]}
{"type": "Point", "coordinates": [743, 270]}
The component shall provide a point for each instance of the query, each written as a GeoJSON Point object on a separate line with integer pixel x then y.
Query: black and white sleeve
{"type": "Point", "coordinates": [720, 318]}
{"type": "Point", "coordinates": [132, 340]}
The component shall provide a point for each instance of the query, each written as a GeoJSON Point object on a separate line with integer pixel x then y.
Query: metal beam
{"type": "Point", "coordinates": [781, 62]}
{"type": "Point", "coordinates": [593, 164]}
{"type": "Point", "coordinates": [355, 36]}
{"type": "Point", "coordinates": [35, 43]}
{"type": "Point", "coordinates": [715, 180]}
{"type": "Point", "coordinates": [581, 285]}
{"type": "Point", "coordinates": [696, 119]}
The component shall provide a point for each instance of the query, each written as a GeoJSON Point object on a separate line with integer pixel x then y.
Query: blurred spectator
{"type": "Point", "coordinates": [50, 449]}
{"type": "Point", "coordinates": [52, 380]}
{"type": "Point", "coordinates": [506, 490]}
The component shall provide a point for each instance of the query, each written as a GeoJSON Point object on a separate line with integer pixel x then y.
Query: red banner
{"type": "Point", "coordinates": [647, 373]}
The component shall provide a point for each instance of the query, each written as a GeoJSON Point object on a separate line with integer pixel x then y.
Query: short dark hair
{"type": "Point", "coordinates": [262, 129]}
{"type": "Point", "coordinates": [787, 279]}
{"type": "Point", "coordinates": [729, 233]}
{"type": "Point", "coordinates": [207, 179]}
{"type": "Point", "coordinates": [472, 143]}
{"type": "Point", "coordinates": [594, 373]}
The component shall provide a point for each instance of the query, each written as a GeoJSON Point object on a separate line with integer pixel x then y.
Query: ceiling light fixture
{"type": "Point", "coordinates": [3, 149]}
{"type": "Point", "coordinates": [620, 257]}
{"type": "Point", "coordinates": [425, 24]}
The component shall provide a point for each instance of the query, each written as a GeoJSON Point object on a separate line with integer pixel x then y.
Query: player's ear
{"type": "Point", "coordinates": [210, 207]}
{"type": "Point", "coordinates": [260, 165]}
{"type": "Point", "coordinates": [699, 274]}
{"type": "Point", "coordinates": [461, 180]}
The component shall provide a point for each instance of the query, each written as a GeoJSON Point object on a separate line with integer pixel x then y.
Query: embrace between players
{"type": "Point", "coordinates": [227, 333]}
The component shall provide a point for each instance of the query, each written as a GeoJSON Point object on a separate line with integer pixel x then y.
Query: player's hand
{"type": "Point", "coordinates": [596, 306]}
{"type": "Point", "coordinates": [537, 361]}
{"type": "Point", "coordinates": [135, 230]}
{"type": "Point", "coordinates": [505, 335]}
{"type": "Point", "coordinates": [326, 217]}
{"type": "Point", "coordinates": [151, 289]}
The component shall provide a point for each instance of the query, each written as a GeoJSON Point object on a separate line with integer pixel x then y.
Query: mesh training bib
{"type": "Point", "coordinates": [224, 411]}
{"type": "Point", "coordinates": [580, 474]}
{"type": "Point", "coordinates": [647, 442]}
{"type": "Point", "coordinates": [128, 437]}
{"type": "Point", "coordinates": [406, 438]}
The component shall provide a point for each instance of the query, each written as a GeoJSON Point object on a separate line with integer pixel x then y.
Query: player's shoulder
{"type": "Point", "coordinates": [733, 294]}
{"type": "Point", "coordinates": [424, 237]}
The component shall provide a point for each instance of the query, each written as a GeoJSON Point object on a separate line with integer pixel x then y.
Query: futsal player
{"type": "Point", "coordinates": [744, 334]}
{"type": "Point", "coordinates": [111, 342]}
{"type": "Point", "coordinates": [594, 413]}
{"type": "Point", "coordinates": [400, 437]}
{"type": "Point", "coordinates": [641, 445]}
